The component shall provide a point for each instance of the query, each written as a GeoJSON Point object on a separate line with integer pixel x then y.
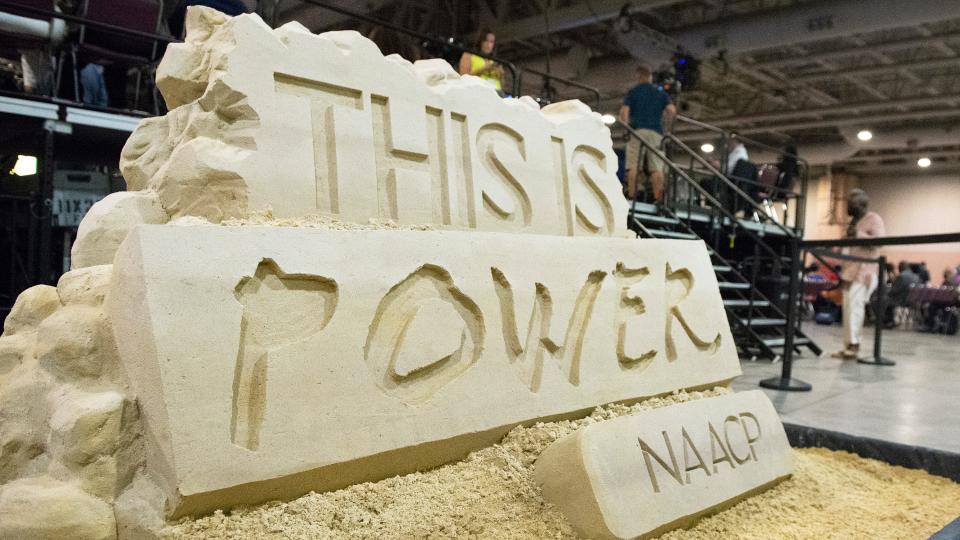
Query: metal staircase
{"type": "Point", "coordinates": [758, 323]}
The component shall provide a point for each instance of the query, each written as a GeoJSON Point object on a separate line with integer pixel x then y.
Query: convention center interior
{"type": "Point", "coordinates": [699, 262]}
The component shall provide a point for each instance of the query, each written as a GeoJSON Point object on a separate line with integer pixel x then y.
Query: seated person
{"type": "Point", "coordinates": [899, 291]}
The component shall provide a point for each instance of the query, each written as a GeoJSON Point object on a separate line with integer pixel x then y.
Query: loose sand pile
{"type": "Point", "coordinates": [491, 494]}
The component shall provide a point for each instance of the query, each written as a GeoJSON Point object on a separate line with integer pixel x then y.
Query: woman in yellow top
{"type": "Point", "coordinates": [488, 70]}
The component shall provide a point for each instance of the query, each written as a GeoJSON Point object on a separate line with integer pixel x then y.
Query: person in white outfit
{"type": "Point", "coordinates": [858, 279]}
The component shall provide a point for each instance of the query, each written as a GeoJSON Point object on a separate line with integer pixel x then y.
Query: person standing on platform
{"type": "Point", "coordinates": [858, 279]}
{"type": "Point", "coordinates": [646, 108]}
{"type": "Point", "coordinates": [478, 66]}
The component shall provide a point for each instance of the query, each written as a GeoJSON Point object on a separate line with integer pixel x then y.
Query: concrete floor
{"type": "Point", "coordinates": [915, 402]}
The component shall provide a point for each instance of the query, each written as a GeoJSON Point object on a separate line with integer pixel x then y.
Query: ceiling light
{"type": "Point", "coordinates": [706, 148]}
{"type": "Point", "coordinates": [865, 135]}
{"type": "Point", "coordinates": [26, 166]}
{"type": "Point", "coordinates": [608, 119]}
{"type": "Point", "coordinates": [923, 162]}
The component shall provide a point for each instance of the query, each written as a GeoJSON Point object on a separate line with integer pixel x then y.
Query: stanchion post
{"type": "Point", "coordinates": [879, 314]}
{"type": "Point", "coordinates": [784, 381]}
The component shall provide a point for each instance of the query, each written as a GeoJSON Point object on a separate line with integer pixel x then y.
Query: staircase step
{"type": "Point", "coordinates": [721, 268]}
{"type": "Point", "coordinates": [673, 234]}
{"type": "Point", "coordinates": [737, 302]}
{"type": "Point", "coordinates": [778, 342]}
{"type": "Point", "coordinates": [763, 322]}
{"type": "Point", "coordinates": [650, 218]}
{"type": "Point", "coordinates": [729, 285]}
{"type": "Point", "coordinates": [645, 208]}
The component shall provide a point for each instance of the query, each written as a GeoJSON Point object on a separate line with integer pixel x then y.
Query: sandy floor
{"type": "Point", "coordinates": [491, 494]}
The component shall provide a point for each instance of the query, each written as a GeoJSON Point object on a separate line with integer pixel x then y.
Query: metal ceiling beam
{"type": "Point", "coordinates": [879, 70]}
{"type": "Point", "coordinates": [317, 18]}
{"type": "Point", "coordinates": [574, 16]}
{"type": "Point", "coordinates": [811, 21]}
{"type": "Point", "coordinates": [851, 108]}
{"type": "Point", "coordinates": [893, 45]}
{"type": "Point", "coordinates": [909, 154]}
{"type": "Point", "coordinates": [851, 121]}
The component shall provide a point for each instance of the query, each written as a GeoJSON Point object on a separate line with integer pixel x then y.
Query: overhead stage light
{"type": "Point", "coordinates": [25, 166]}
{"type": "Point", "coordinates": [608, 119]}
{"type": "Point", "coordinates": [706, 148]}
{"type": "Point", "coordinates": [923, 162]}
{"type": "Point", "coordinates": [865, 135]}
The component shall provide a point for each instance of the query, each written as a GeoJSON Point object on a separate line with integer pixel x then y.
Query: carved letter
{"type": "Point", "coordinates": [530, 355]}
{"type": "Point", "coordinates": [679, 284]}
{"type": "Point", "coordinates": [688, 444]}
{"type": "Point", "coordinates": [410, 168]}
{"type": "Point", "coordinates": [336, 114]}
{"type": "Point", "coordinates": [503, 157]}
{"type": "Point", "coordinates": [278, 309]}
{"type": "Point", "coordinates": [746, 432]}
{"type": "Point", "coordinates": [425, 334]}
{"type": "Point", "coordinates": [589, 166]}
{"type": "Point", "coordinates": [726, 436]}
{"type": "Point", "coordinates": [648, 452]}
{"type": "Point", "coordinates": [630, 307]}
{"type": "Point", "coordinates": [715, 441]}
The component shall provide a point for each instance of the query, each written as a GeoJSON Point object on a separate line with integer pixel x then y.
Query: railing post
{"type": "Point", "coordinates": [44, 261]}
{"type": "Point", "coordinates": [879, 314]}
{"type": "Point", "coordinates": [784, 381]}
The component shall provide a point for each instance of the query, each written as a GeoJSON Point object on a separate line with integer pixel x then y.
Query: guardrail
{"type": "Point", "coordinates": [514, 71]}
{"type": "Point", "coordinates": [82, 21]}
{"type": "Point", "coordinates": [727, 137]}
{"type": "Point", "coordinates": [785, 380]}
{"type": "Point", "coordinates": [598, 98]}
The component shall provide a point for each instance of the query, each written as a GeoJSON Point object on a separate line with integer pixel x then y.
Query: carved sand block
{"type": "Point", "coordinates": [269, 362]}
{"type": "Point", "coordinates": [304, 124]}
{"type": "Point", "coordinates": [641, 475]}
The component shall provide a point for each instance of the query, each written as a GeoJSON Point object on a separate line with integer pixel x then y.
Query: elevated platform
{"type": "Point", "coordinates": [70, 112]}
{"type": "Point", "coordinates": [703, 216]}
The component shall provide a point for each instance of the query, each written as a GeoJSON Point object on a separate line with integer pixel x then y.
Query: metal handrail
{"type": "Point", "coordinates": [884, 241]}
{"type": "Point", "coordinates": [694, 184]}
{"type": "Point", "coordinates": [787, 191]}
{"type": "Point", "coordinates": [804, 164]}
{"type": "Point", "coordinates": [83, 21]}
{"type": "Point", "coordinates": [784, 382]}
{"type": "Point", "coordinates": [735, 135]}
{"type": "Point", "coordinates": [592, 89]}
{"type": "Point", "coordinates": [514, 70]}
{"type": "Point", "coordinates": [730, 184]}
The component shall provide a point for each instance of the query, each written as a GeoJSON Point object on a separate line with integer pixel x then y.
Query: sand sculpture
{"type": "Point", "coordinates": [183, 366]}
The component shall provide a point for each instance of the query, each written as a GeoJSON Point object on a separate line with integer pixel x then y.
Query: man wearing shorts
{"type": "Point", "coordinates": [645, 108]}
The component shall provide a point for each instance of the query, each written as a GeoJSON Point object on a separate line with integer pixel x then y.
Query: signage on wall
{"type": "Point", "coordinates": [70, 205]}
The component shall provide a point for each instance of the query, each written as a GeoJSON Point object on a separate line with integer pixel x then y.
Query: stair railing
{"type": "Point", "coordinates": [732, 186]}
{"type": "Point", "coordinates": [743, 198]}
{"type": "Point", "coordinates": [725, 214]}
{"type": "Point", "coordinates": [726, 137]}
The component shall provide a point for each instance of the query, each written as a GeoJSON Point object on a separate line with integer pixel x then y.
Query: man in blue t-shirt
{"type": "Point", "coordinates": [646, 107]}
